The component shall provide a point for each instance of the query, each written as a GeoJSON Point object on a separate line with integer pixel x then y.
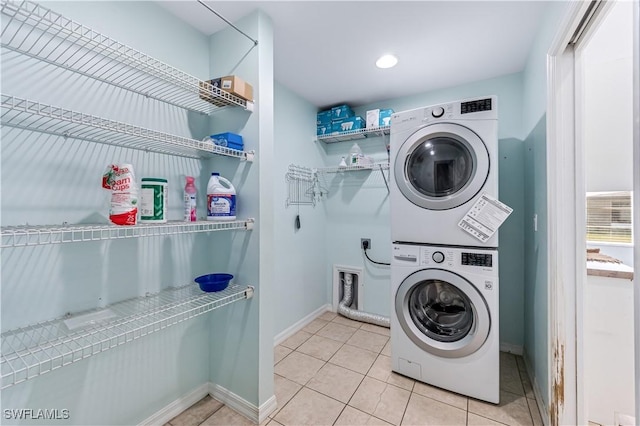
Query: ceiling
{"type": "Point", "coordinates": [325, 51]}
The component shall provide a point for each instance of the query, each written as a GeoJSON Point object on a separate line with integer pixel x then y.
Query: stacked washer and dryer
{"type": "Point", "coordinates": [444, 280]}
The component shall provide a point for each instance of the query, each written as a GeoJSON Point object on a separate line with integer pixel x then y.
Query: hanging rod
{"type": "Point", "coordinates": [255, 42]}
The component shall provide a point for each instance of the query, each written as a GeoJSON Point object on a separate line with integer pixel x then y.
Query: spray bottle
{"type": "Point", "coordinates": [190, 200]}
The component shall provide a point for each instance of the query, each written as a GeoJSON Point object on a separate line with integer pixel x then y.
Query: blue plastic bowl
{"type": "Point", "coordinates": [213, 282]}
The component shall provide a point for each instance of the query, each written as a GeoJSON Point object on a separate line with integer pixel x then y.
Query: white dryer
{"type": "Point", "coordinates": [443, 158]}
{"type": "Point", "coordinates": [444, 318]}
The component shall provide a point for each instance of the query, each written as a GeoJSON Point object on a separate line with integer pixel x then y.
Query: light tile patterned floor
{"type": "Point", "coordinates": [338, 372]}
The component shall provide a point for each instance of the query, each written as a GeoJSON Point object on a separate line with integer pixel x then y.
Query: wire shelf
{"type": "Point", "coordinates": [338, 169]}
{"type": "Point", "coordinates": [23, 236]}
{"type": "Point", "coordinates": [355, 134]}
{"type": "Point", "coordinates": [30, 115]}
{"type": "Point", "coordinates": [35, 31]}
{"type": "Point", "coordinates": [38, 349]}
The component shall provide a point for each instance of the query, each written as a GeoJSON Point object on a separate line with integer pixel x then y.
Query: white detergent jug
{"type": "Point", "coordinates": [221, 198]}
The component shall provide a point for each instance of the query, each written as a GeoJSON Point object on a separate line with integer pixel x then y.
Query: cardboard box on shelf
{"type": "Point", "coordinates": [373, 118]}
{"type": "Point", "coordinates": [341, 112]}
{"type": "Point", "coordinates": [385, 117]}
{"type": "Point", "coordinates": [237, 86]}
{"type": "Point", "coordinates": [347, 124]}
{"type": "Point", "coordinates": [379, 117]}
{"type": "Point", "coordinates": [231, 84]}
{"type": "Point", "coordinates": [324, 117]}
{"type": "Point", "coordinates": [323, 130]}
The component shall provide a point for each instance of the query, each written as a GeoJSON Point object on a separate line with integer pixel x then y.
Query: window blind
{"type": "Point", "coordinates": [609, 217]}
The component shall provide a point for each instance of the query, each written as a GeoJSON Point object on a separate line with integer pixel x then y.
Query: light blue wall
{"type": "Point", "coordinates": [358, 204]}
{"type": "Point", "coordinates": [536, 262]}
{"type": "Point", "coordinates": [49, 180]}
{"type": "Point", "coordinates": [242, 336]}
{"type": "Point", "coordinates": [300, 261]}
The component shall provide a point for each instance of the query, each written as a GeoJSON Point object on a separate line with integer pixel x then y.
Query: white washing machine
{"type": "Point", "coordinates": [444, 318]}
{"type": "Point", "coordinates": [443, 158]}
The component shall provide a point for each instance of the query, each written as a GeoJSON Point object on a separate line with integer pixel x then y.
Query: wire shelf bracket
{"type": "Point", "coordinates": [40, 33]}
{"type": "Point", "coordinates": [31, 351]}
{"type": "Point", "coordinates": [35, 116]}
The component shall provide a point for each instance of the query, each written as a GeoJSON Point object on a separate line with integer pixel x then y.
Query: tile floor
{"type": "Point", "coordinates": [337, 371]}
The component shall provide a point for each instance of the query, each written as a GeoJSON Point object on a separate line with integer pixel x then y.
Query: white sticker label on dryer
{"type": "Point", "coordinates": [485, 217]}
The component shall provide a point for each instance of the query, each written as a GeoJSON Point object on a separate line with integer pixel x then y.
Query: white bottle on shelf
{"type": "Point", "coordinates": [221, 199]}
{"type": "Point", "coordinates": [354, 154]}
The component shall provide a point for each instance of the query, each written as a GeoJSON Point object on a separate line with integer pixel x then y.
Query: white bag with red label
{"type": "Point", "coordinates": [121, 181]}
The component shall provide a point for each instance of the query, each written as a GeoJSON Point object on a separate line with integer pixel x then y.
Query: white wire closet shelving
{"type": "Point", "coordinates": [24, 236]}
{"type": "Point", "coordinates": [321, 171]}
{"type": "Point", "coordinates": [338, 169]}
{"type": "Point", "coordinates": [35, 116]}
{"type": "Point", "coordinates": [38, 32]}
{"type": "Point", "coordinates": [31, 351]}
{"type": "Point", "coordinates": [355, 134]}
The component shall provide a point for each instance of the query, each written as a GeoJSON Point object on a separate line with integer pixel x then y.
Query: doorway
{"type": "Point", "coordinates": [604, 128]}
{"type": "Point", "coordinates": [582, 65]}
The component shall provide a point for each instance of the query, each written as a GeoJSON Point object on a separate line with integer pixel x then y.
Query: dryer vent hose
{"type": "Point", "coordinates": [344, 308]}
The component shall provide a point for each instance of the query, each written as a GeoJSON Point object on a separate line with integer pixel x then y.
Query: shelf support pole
{"type": "Point", "coordinates": [255, 42]}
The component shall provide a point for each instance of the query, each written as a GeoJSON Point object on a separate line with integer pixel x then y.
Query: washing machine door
{"type": "Point", "coordinates": [441, 166]}
{"type": "Point", "coordinates": [442, 313]}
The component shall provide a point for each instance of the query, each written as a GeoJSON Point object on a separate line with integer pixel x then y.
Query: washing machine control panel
{"type": "Point", "coordinates": [442, 257]}
{"type": "Point", "coordinates": [436, 113]}
{"type": "Point", "coordinates": [437, 256]}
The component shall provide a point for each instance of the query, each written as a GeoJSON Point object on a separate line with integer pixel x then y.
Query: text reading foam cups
{"type": "Point", "coordinates": [221, 199]}
{"type": "Point", "coordinates": [121, 182]}
{"type": "Point", "coordinates": [153, 200]}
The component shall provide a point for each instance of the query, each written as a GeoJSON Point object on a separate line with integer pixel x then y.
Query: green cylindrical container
{"type": "Point", "coordinates": [153, 200]}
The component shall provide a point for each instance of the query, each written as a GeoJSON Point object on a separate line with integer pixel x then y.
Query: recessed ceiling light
{"type": "Point", "coordinates": [386, 61]}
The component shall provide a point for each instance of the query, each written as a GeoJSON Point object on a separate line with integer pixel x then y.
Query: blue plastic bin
{"type": "Point", "coordinates": [228, 139]}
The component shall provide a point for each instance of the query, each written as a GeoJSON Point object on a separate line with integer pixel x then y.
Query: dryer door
{"type": "Point", "coordinates": [442, 313]}
{"type": "Point", "coordinates": [441, 166]}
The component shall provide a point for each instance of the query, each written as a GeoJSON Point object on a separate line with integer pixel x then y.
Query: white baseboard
{"type": "Point", "coordinates": [236, 403]}
{"type": "Point", "coordinates": [267, 408]}
{"type": "Point", "coordinates": [544, 412]}
{"type": "Point", "coordinates": [284, 335]}
{"type": "Point", "coordinates": [178, 406]}
{"type": "Point", "coordinates": [512, 349]}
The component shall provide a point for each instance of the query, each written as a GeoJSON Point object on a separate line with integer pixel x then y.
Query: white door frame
{"type": "Point", "coordinates": [565, 210]}
{"type": "Point", "coordinates": [565, 177]}
{"type": "Point", "coordinates": [636, 194]}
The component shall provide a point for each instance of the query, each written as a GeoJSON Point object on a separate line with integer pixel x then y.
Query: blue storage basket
{"type": "Point", "coordinates": [228, 139]}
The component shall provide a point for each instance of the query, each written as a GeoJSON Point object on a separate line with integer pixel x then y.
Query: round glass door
{"type": "Point", "coordinates": [441, 166]}
{"type": "Point", "coordinates": [442, 313]}
{"type": "Point", "coordinates": [440, 310]}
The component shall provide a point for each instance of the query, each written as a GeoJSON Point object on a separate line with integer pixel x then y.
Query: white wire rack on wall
{"type": "Point", "coordinates": [30, 115]}
{"type": "Point", "coordinates": [346, 169]}
{"type": "Point", "coordinates": [24, 236]}
{"type": "Point", "coordinates": [302, 186]}
{"type": "Point", "coordinates": [38, 32]}
{"type": "Point", "coordinates": [31, 351]}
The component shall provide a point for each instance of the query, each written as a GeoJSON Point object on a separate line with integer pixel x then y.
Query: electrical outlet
{"type": "Point", "coordinates": [362, 240]}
